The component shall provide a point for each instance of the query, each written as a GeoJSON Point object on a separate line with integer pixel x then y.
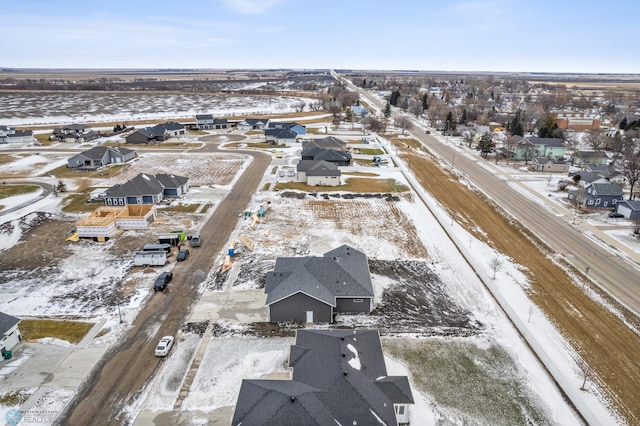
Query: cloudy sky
{"type": "Point", "coordinates": [453, 35]}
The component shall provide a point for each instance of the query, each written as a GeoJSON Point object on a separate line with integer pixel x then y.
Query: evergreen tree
{"type": "Point", "coordinates": [623, 124]}
{"type": "Point", "coordinates": [364, 82]}
{"type": "Point", "coordinates": [484, 146]}
{"type": "Point", "coordinates": [463, 117]}
{"type": "Point", "coordinates": [449, 124]}
{"type": "Point", "coordinates": [516, 126]}
{"type": "Point", "coordinates": [425, 101]}
{"type": "Point", "coordinates": [61, 186]}
{"type": "Point", "coordinates": [348, 115]}
{"type": "Point", "coordinates": [395, 96]}
{"type": "Point", "coordinates": [387, 110]}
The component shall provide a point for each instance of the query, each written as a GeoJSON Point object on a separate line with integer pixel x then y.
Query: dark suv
{"type": "Point", "coordinates": [162, 281]}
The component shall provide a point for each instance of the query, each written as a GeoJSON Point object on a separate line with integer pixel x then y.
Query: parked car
{"type": "Point", "coordinates": [616, 214]}
{"type": "Point", "coordinates": [164, 346]}
{"type": "Point", "coordinates": [162, 281]}
{"type": "Point", "coordinates": [195, 241]}
{"type": "Point", "coordinates": [182, 255]}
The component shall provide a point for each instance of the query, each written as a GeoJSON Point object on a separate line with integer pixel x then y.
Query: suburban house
{"type": "Point", "coordinates": [280, 136]}
{"type": "Point", "coordinates": [330, 142]}
{"type": "Point", "coordinates": [253, 124]}
{"type": "Point", "coordinates": [9, 332]}
{"type": "Point", "coordinates": [104, 222]}
{"type": "Point", "coordinates": [590, 157]}
{"type": "Point", "coordinates": [600, 194]}
{"type": "Point", "coordinates": [605, 170]}
{"type": "Point", "coordinates": [318, 173]}
{"type": "Point", "coordinates": [204, 121]}
{"type": "Point", "coordinates": [100, 156]}
{"type": "Point", "coordinates": [530, 147]}
{"type": "Point", "coordinates": [157, 133]}
{"type": "Point", "coordinates": [289, 125]}
{"type": "Point", "coordinates": [312, 152]}
{"type": "Point", "coordinates": [146, 189]}
{"type": "Point", "coordinates": [545, 164]}
{"type": "Point", "coordinates": [586, 177]}
{"type": "Point", "coordinates": [629, 209]}
{"type": "Point", "coordinates": [314, 289]}
{"type": "Point", "coordinates": [75, 133]}
{"type": "Point", "coordinates": [359, 110]}
{"type": "Point", "coordinates": [9, 134]}
{"type": "Point", "coordinates": [336, 377]}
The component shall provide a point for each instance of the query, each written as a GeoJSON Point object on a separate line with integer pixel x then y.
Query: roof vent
{"type": "Point", "coordinates": [344, 373]}
{"type": "Point", "coordinates": [292, 398]}
{"type": "Point", "coordinates": [343, 355]}
{"type": "Point", "coordinates": [342, 338]}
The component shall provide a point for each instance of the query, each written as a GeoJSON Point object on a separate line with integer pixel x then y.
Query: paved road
{"type": "Point", "coordinates": [46, 190]}
{"type": "Point", "coordinates": [619, 277]}
{"type": "Point", "coordinates": [114, 388]}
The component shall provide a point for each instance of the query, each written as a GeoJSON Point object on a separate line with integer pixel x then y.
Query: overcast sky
{"type": "Point", "coordinates": [450, 35]}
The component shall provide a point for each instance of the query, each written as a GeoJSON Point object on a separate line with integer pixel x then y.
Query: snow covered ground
{"type": "Point", "coordinates": [379, 229]}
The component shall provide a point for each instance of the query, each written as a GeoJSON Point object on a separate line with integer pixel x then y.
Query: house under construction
{"type": "Point", "coordinates": [105, 221]}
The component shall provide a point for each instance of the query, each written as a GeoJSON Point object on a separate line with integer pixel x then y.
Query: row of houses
{"type": "Point", "coordinates": [78, 133]}
{"type": "Point", "coordinates": [320, 161]}
{"type": "Point", "coordinates": [157, 133]}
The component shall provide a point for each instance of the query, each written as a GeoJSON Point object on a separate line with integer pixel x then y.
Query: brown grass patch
{"type": "Point", "coordinates": [350, 185]}
{"type": "Point", "coordinates": [11, 190]}
{"type": "Point", "coordinates": [181, 208]}
{"type": "Point", "coordinates": [71, 331]}
{"type": "Point", "coordinates": [602, 339]}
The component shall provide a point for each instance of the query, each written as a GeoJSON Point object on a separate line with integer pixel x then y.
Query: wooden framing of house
{"type": "Point", "coordinates": [105, 221]}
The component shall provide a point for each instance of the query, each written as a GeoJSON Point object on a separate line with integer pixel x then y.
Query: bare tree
{"type": "Point", "coordinates": [404, 123]}
{"type": "Point", "coordinates": [585, 371]}
{"type": "Point", "coordinates": [375, 125]}
{"type": "Point", "coordinates": [595, 139]}
{"type": "Point", "coordinates": [415, 108]}
{"type": "Point", "coordinates": [563, 184]}
{"type": "Point", "coordinates": [629, 167]}
{"type": "Point", "coordinates": [469, 137]}
{"type": "Point", "coordinates": [496, 264]}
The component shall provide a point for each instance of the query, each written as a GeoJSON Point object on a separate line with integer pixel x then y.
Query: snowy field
{"type": "Point", "coordinates": [23, 109]}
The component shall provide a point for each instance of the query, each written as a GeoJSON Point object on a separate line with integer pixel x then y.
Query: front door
{"type": "Point", "coordinates": [309, 316]}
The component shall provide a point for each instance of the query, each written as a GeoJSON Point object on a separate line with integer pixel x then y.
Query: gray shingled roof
{"type": "Point", "coordinates": [142, 184]}
{"type": "Point", "coordinates": [546, 141]}
{"type": "Point", "coordinates": [343, 272]}
{"type": "Point", "coordinates": [204, 117]}
{"type": "Point", "coordinates": [339, 377]}
{"type": "Point", "coordinates": [318, 168]}
{"type": "Point", "coordinates": [171, 181]}
{"type": "Point", "coordinates": [608, 188]}
{"type": "Point", "coordinates": [97, 152]}
{"type": "Point", "coordinates": [7, 322]}
{"type": "Point", "coordinates": [327, 155]}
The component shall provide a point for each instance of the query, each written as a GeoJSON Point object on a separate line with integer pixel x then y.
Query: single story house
{"type": "Point", "coordinates": [330, 142]}
{"type": "Point", "coordinates": [590, 157]}
{"type": "Point", "coordinates": [253, 124]}
{"type": "Point", "coordinates": [545, 164]}
{"type": "Point", "coordinates": [220, 123]}
{"type": "Point", "coordinates": [318, 173]}
{"type": "Point", "coordinates": [146, 189]}
{"type": "Point", "coordinates": [587, 177]}
{"type": "Point", "coordinates": [9, 332]}
{"type": "Point", "coordinates": [314, 289]}
{"type": "Point", "coordinates": [100, 156]}
{"type": "Point", "coordinates": [359, 110]}
{"type": "Point", "coordinates": [336, 377]}
{"type": "Point", "coordinates": [629, 209]}
{"type": "Point", "coordinates": [78, 133]}
{"type": "Point", "coordinates": [280, 136]}
{"type": "Point", "coordinates": [289, 125]}
{"type": "Point", "coordinates": [600, 194]}
{"type": "Point", "coordinates": [9, 134]}
{"type": "Point", "coordinates": [339, 158]}
{"type": "Point", "coordinates": [157, 133]}
{"type": "Point", "coordinates": [604, 170]}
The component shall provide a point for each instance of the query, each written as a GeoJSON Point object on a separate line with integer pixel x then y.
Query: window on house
{"type": "Point", "coordinates": [358, 300]}
{"type": "Point", "coordinates": [598, 202]}
{"type": "Point", "coordinates": [614, 201]}
{"type": "Point", "coordinates": [399, 409]}
{"type": "Point", "coordinates": [590, 202]}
